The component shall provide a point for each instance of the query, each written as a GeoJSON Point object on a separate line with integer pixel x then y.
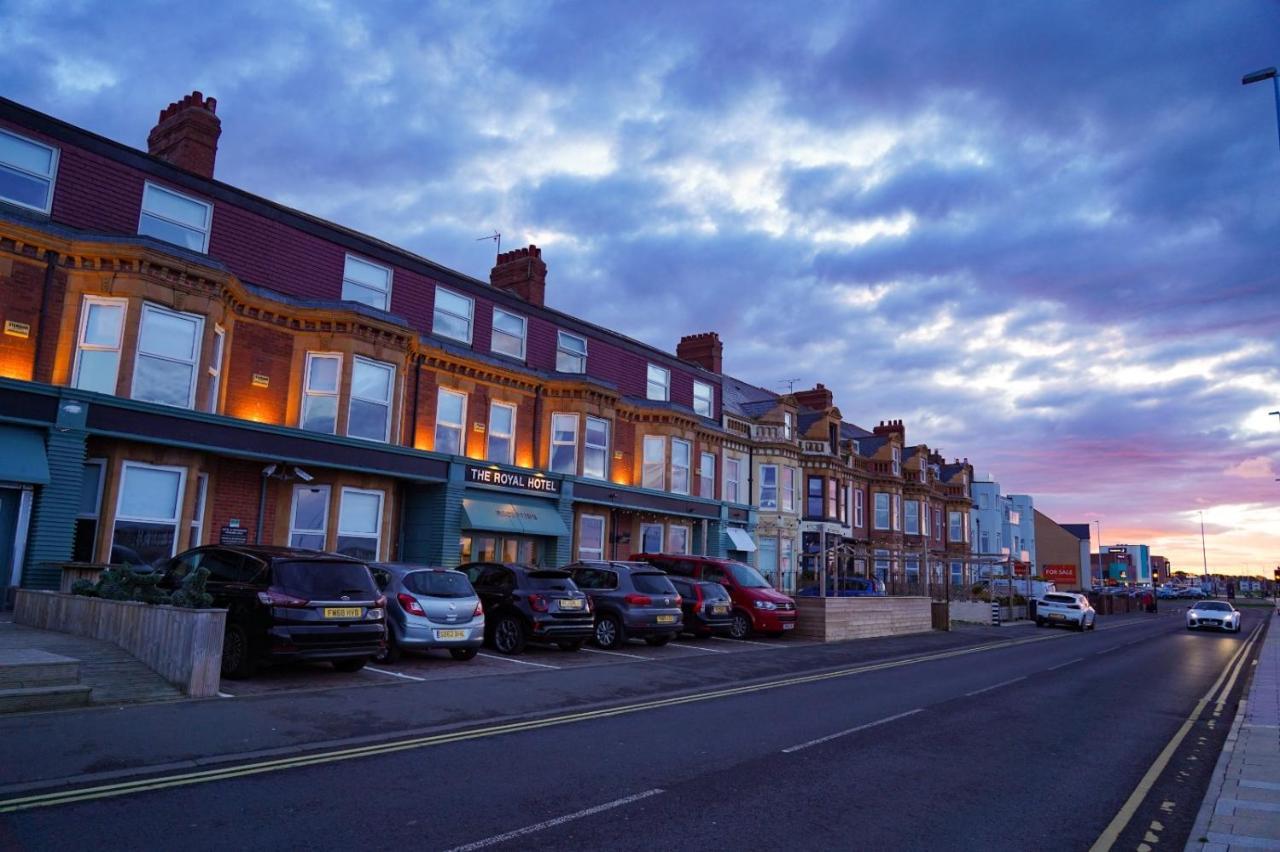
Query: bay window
{"type": "Point", "coordinates": [595, 454]}
{"type": "Point", "coordinates": [789, 477]}
{"type": "Point", "coordinates": [320, 392]}
{"type": "Point", "coordinates": [707, 476]}
{"type": "Point", "coordinates": [858, 508]}
{"type": "Point", "coordinates": [769, 486]}
{"type": "Point", "coordinates": [913, 517]}
{"type": "Point", "coordinates": [500, 438]}
{"type": "Point", "coordinates": [653, 472]}
{"type": "Point", "coordinates": [369, 412]}
{"type": "Point", "coordinates": [564, 443]}
{"type": "Point", "coordinates": [732, 479]}
{"type": "Point", "coordinates": [881, 519]}
{"type": "Point", "coordinates": [168, 350]}
{"type": "Point", "coordinates": [813, 506]}
{"type": "Point", "coordinates": [681, 461]}
{"type": "Point", "coordinates": [897, 511]}
{"type": "Point", "coordinates": [831, 497]}
{"type": "Point", "coordinates": [97, 365]}
{"type": "Point", "coordinates": [451, 412]}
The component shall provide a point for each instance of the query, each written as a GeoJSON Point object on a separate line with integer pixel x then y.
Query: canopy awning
{"type": "Point", "coordinates": [22, 456]}
{"type": "Point", "coordinates": [503, 514]}
{"type": "Point", "coordinates": [741, 539]}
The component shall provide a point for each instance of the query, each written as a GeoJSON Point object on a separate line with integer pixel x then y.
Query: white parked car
{"type": "Point", "coordinates": [1218, 615]}
{"type": "Point", "coordinates": [1065, 608]}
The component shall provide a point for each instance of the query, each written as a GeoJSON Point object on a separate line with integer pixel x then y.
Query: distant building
{"type": "Point", "coordinates": [1160, 569]}
{"type": "Point", "coordinates": [1061, 556]}
{"type": "Point", "coordinates": [1004, 530]}
{"type": "Point", "coordinates": [1126, 563]}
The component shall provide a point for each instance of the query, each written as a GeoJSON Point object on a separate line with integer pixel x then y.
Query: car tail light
{"type": "Point", "coordinates": [410, 604]}
{"type": "Point", "coordinates": [271, 597]}
{"type": "Point", "coordinates": [479, 610]}
{"type": "Point", "coordinates": [538, 603]}
{"type": "Point", "coordinates": [590, 606]}
{"type": "Point", "coordinates": [679, 600]}
{"type": "Point", "coordinates": [638, 600]}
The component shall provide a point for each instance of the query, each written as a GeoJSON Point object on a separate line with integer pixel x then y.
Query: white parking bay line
{"type": "Point", "coordinates": [222, 694]}
{"type": "Point", "coordinates": [552, 823]}
{"type": "Point", "coordinates": [1064, 665]}
{"type": "Point", "coordinates": [521, 662]}
{"type": "Point", "coordinates": [395, 674]}
{"type": "Point", "coordinates": [994, 686]}
{"type": "Point", "coordinates": [830, 737]}
{"type": "Point", "coordinates": [615, 654]}
{"type": "Point", "coordinates": [745, 642]}
{"type": "Point", "coordinates": [685, 647]}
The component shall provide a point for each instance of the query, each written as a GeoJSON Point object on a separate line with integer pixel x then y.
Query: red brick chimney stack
{"type": "Point", "coordinates": [187, 134]}
{"type": "Point", "coordinates": [704, 349]}
{"type": "Point", "coordinates": [817, 398]}
{"type": "Point", "coordinates": [891, 427]}
{"type": "Point", "coordinates": [523, 273]}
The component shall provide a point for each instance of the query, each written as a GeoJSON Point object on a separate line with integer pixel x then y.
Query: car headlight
{"type": "Point", "coordinates": [765, 605]}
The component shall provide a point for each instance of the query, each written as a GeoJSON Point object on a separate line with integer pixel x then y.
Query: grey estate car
{"type": "Point", "coordinates": [630, 599]}
{"type": "Point", "coordinates": [429, 608]}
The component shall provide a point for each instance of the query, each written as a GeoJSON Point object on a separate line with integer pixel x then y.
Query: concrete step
{"type": "Point", "coordinates": [43, 698]}
{"type": "Point", "coordinates": [22, 668]}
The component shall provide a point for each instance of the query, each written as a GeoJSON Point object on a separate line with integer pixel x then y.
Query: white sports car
{"type": "Point", "coordinates": [1218, 615]}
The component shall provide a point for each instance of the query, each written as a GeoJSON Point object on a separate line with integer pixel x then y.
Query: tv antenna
{"type": "Point", "coordinates": [790, 383]}
{"type": "Point", "coordinates": [496, 237]}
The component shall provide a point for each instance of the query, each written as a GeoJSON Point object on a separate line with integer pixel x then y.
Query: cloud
{"type": "Point", "coordinates": [1254, 468]}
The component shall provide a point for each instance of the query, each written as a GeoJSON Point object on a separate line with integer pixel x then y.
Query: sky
{"type": "Point", "coordinates": [1045, 236]}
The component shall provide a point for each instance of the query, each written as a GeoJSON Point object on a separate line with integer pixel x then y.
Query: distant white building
{"type": "Point", "coordinates": [1003, 527]}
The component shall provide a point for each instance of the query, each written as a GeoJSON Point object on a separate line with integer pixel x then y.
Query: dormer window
{"type": "Point", "coordinates": [659, 383]}
{"type": "Point", "coordinates": [27, 170]}
{"type": "Point", "coordinates": [175, 218]}
{"type": "Point", "coordinates": [366, 283]}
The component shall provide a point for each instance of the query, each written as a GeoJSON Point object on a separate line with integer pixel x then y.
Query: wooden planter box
{"type": "Point", "coordinates": [73, 571]}
{"type": "Point", "coordinates": [182, 645]}
{"type": "Point", "coordinates": [837, 619]}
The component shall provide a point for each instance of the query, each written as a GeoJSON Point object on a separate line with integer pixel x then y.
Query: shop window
{"type": "Point", "coordinates": [590, 537]}
{"type": "Point", "coordinates": [564, 443]}
{"type": "Point", "coordinates": [320, 392]}
{"type": "Point", "coordinates": [897, 511]}
{"type": "Point", "coordinates": [175, 218]}
{"type": "Point", "coordinates": [360, 524]}
{"type": "Point", "coordinates": [859, 509]}
{"type": "Point", "coordinates": [769, 486]}
{"type": "Point", "coordinates": [681, 460]}
{"type": "Point", "coordinates": [98, 345]}
{"type": "Point", "coordinates": [595, 456]}
{"type": "Point", "coordinates": [369, 411]}
{"type": "Point", "coordinates": [707, 476]}
{"type": "Point", "coordinates": [703, 399]}
{"type": "Point", "coordinates": [912, 524]}
{"type": "Point", "coordinates": [651, 538]}
{"type": "Point", "coordinates": [789, 477]}
{"type": "Point", "coordinates": [659, 383]}
{"type": "Point", "coordinates": [27, 170]}
{"type": "Point", "coordinates": [653, 474]}
{"type": "Point", "coordinates": [195, 536]}
{"type": "Point", "coordinates": [90, 510]}
{"type": "Point", "coordinates": [732, 479]}
{"type": "Point", "coordinates": [452, 316]}
{"type": "Point", "coordinates": [881, 510]}
{"type": "Point", "coordinates": [831, 498]}
{"type": "Point", "coordinates": [500, 438]}
{"type": "Point", "coordinates": [215, 369]}
{"type": "Point", "coordinates": [571, 353]}
{"type": "Point", "coordinates": [677, 539]}
{"type": "Point", "coordinates": [309, 517]}
{"type": "Point", "coordinates": [451, 412]}
{"type": "Point", "coordinates": [147, 512]}
{"type": "Point", "coordinates": [508, 333]}
{"type": "Point", "coordinates": [366, 283]}
{"type": "Point", "coordinates": [168, 351]}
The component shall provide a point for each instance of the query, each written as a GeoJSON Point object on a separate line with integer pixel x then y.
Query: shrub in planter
{"type": "Point", "coordinates": [124, 583]}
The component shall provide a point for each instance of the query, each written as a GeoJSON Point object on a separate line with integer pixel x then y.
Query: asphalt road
{"type": "Point", "coordinates": [1036, 739]}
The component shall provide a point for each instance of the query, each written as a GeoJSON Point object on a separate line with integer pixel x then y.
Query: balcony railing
{"type": "Point", "coordinates": [820, 447]}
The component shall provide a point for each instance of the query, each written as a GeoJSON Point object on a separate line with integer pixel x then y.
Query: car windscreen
{"type": "Point", "coordinates": [551, 581]}
{"type": "Point", "coordinates": [1216, 606]}
{"type": "Point", "coordinates": [653, 584]}
{"type": "Point", "coordinates": [748, 577]}
{"type": "Point", "coordinates": [319, 580]}
{"type": "Point", "coordinates": [438, 584]}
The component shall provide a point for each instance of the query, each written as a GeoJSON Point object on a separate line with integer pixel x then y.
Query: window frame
{"type": "Point", "coordinates": [665, 383]}
{"type": "Point", "coordinates": [876, 510]}
{"type": "Point", "coordinates": [347, 279]}
{"type": "Point", "coordinates": [831, 485]}
{"type": "Point", "coordinates": [859, 508]}
{"type": "Point", "coordinates": [377, 537]}
{"type": "Point", "coordinates": [511, 438]}
{"type": "Point", "coordinates": [771, 505]}
{"type": "Point", "coordinates": [81, 346]}
{"type": "Point", "coordinates": [197, 350]}
{"type": "Point", "coordinates": [709, 398]}
{"type": "Point", "coordinates": [561, 334]}
{"type": "Point", "coordinates": [96, 515]}
{"type": "Point", "coordinates": [295, 530]}
{"type": "Point", "coordinates": [195, 535]}
{"type": "Point", "coordinates": [582, 522]}
{"type": "Point", "coordinates": [356, 360]}
{"type": "Point", "coordinates": [687, 467]}
{"type": "Point", "coordinates": [908, 516]}
{"type": "Point", "coordinates": [662, 531]}
{"type": "Point", "coordinates": [551, 452]}
{"type": "Point", "coordinates": [494, 331]}
{"type": "Point", "coordinates": [51, 177]}
{"type": "Point", "coordinates": [685, 529]}
{"type": "Point", "coordinates": [214, 370]}
{"type": "Point", "coordinates": [736, 481]}
{"type": "Point", "coordinates": [706, 483]}
{"type": "Point", "coordinates": [897, 512]}
{"type": "Point", "coordinates": [788, 477]}
{"type": "Point", "coordinates": [176, 521]}
{"type": "Point", "coordinates": [308, 394]}
{"type": "Point", "coordinates": [587, 447]}
{"type": "Point", "coordinates": [810, 496]}
{"type": "Point", "coordinates": [955, 521]}
{"type": "Point", "coordinates": [645, 464]}
{"type": "Point", "coordinates": [461, 425]}
{"type": "Point", "coordinates": [208, 217]}
{"type": "Point", "coordinates": [470, 317]}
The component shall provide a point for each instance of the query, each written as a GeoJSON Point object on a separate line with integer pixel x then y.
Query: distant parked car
{"type": "Point", "coordinates": [285, 604]}
{"type": "Point", "coordinates": [1194, 592]}
{"type": "Point", "coordinates": [523, 603]}
{"type": "Point", "coordinates": [708, 609]}
{"type": "Point", "coordinates": [1165, 593]}
{"type": "Point", "coordinates": [756, 605]}
{"type": "Point", "coordinates": [429, 608]}
{"type": "Point", "coordinates": [630, 599]}
{"type": "Point", "coordinates": [1065, 608]}
{"type": "Point", "coordinates": [1217, 615]}
{"type": "Point", "coordinates": [849, 587]}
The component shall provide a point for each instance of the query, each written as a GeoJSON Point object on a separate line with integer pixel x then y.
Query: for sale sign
{"type": "Point", "coordinates": [1059, 573]}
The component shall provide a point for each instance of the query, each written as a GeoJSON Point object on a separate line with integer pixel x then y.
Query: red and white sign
{"type": "Point", "coordinates": [1021, 569]}
{"type": "Point", "coordinates": [1059, 573]}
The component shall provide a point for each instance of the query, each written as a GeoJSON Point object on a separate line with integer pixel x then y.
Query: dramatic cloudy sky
{"type": "Point", "coordinates": [1044, 235]}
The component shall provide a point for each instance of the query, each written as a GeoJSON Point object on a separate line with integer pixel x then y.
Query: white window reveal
{"type": "Point", "coordinates": [320, 392]}
{"type": "Point", "coordinates": [571, 353]}
{"type": "Point", "coordinates": [175, 218]}
{"type": "Point", "coordinates": [707, 476]}
{"type": "Point", "coordinates": [366, 283]}
{"type": "Point", "coordinates": [681, 460]}
{"type": "Point", "coordinates": [651, 538]}
{"type": "Point", "coordinates": [564, 443]}
{"type": "Point", "coordinates": [98, 346]}
{"type": "Point", "coordinates": [309, 517]}
{"type": "Point", "coordinates": [677, 539]}
{"type": "Point", "coordinates": [453, 315]}
{"type": "Point", "coordinates": [595, 456]}
{"type": "Point", "coordinates": [703, 398]}
{"type": "Point", "coordinates": [508, 333]}
{"type": "Point", "coordinates": [369, 412]}
{"type": "Point", "coordinates": [147, 513]}
{"type": "Point", "coordinates": [501, 441]}
{"type": "Point", "coordinates": [215, 368]}
{"type": "Point", "coordinates": [360, 524]}
{"type": "Point", "coordinates": [168, 350]}
{"type": "Point", "coordinates": [591, 537]}
{"type": "Point", "coordinates": [27, 170]}
{"type": "Point", "coordinates": [451, 413]}
{"type": "Point", "coordinates": [659, 383]}
{"type": "Point", "coordinates": [653, 473]}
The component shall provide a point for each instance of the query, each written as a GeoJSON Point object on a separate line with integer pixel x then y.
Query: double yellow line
{"type": "Point", "coordinates": [125, 788]}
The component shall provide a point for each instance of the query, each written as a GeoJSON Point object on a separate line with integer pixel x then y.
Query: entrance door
{"type": "Point", "coordinates": [10, 500]}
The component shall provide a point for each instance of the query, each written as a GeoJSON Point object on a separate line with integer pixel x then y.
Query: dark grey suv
{"type": "Point", "coordinates": [630, 599]}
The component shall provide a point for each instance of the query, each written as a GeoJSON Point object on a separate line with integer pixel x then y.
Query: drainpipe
{"type": "Point", "coordinates": [262, 506]}
{"type": "Point", "coordinates": [417, 399]}
{"type": "Point", "coordinates": [51, 267]}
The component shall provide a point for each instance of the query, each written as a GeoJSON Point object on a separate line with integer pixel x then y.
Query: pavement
{"type": "Point", "coordinates": [1241, 808]}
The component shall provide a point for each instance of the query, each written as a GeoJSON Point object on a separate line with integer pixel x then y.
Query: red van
{"type": "Point", "coordinates": [756, 605]}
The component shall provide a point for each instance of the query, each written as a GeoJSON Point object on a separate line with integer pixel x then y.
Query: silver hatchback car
{"type": "Point", "coordinates": [429, 608]}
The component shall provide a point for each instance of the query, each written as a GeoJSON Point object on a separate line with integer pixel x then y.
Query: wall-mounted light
{"type": "Point", "coordinates": [261, 381]}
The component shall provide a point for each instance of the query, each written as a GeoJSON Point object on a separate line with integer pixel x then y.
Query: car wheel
{"type": "Point", "coordinates": [508, 635]}
{"type": "Point", "coordinates": [657, 641]}
{"type": "Point", "coordinates": [1080, 626]}
{"type": "Point", "coordinates": [463, 654]}
{"type": "Point", "coordinates": [740, 627]}
{"type": "Point", "coordinates": [609, 632]}
{"type": "Point", "coordinates": [350, 665]}
{"type": "Point", "coordinates": [1093, 624]}
{"type": "Point", "coordinates": [391, 653]}
{"type": "Point", "coordinates": [237, 656]}
{"type": "Point", "coordinates": [1039, 622]}
{"type": "Point", "coordinates": [575, 645]}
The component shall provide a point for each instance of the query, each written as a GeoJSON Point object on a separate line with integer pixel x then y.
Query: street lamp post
{"type": "Point", "coordinates": [1258, 77]}
{"type": "Point", "coordinates": [1101, 568]}
{"type": "Point", "coordinates": [1204, 551]}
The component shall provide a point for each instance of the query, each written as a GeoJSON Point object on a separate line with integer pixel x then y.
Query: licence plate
{"type": "Point", "coordinates": [666, 619]}
{"type": "Point", "coordinates": [719, 610]}
{"type": "Point", "coordinates": [343, 612]}
{"type": "Point", "coordinates": [572, 603]}
{"type": "Point", "coordinates": [1056, 616]}
{"type": "Point", "coordinates": [788, 627]}
{"type": "Point", "coordinates": [451, 634]}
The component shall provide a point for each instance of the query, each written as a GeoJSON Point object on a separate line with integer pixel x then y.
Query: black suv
{"type": "Point", "coordinates": [631, 599]}
{"type": "Point", "coordinates": [523, 603]}
{"type": "Point", "coordinates": [285, 604]}
{"type": "Point", "coordinates": [708, 611]}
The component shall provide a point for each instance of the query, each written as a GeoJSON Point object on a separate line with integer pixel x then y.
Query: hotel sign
{"type": "Point", "coordinates": [514, 481]}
